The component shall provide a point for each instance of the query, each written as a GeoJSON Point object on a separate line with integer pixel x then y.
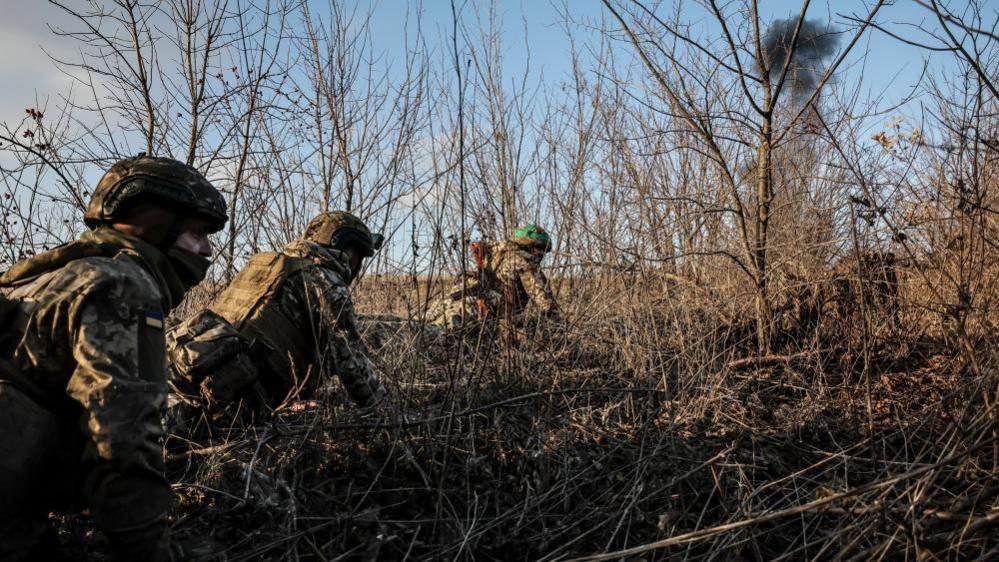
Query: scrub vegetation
{"type": "Point", "coordinates": [777, 287]}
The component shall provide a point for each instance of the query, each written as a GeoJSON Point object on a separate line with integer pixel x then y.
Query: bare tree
{"type": "Point", "coordinates": [741, 97]}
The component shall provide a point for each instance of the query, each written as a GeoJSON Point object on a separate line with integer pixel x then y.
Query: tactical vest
{"type": "Point", "coordinates": [249, 303]}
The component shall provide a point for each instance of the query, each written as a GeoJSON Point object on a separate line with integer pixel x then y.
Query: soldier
{"type": "Point", "coordinates": [289, 312]}
{"type": "Point", "coordinates": [83, 363]}
{"type": "Point", "coordinates": [508, 279]}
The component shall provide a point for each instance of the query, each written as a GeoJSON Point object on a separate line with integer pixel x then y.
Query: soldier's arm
{"type": "Point", "coordinates": [120, 382]}
{"type": "Point", "coordinates": [538, 288]}
{"type": "Point", "coordinates": [208, 355]}
{"type": "Point", "coordinates": [342, 340]}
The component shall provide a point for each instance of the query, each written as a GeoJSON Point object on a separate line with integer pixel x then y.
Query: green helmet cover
{"type": "Point", "coordinates": [532, 235]}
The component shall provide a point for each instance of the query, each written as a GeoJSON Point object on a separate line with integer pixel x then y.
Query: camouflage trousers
{"type": "Point", "coordinates": [381, 330]}
{"type": "Point", "coordinates": [41, 470]}
{"type": "Point", "coordinates": [451, 312]}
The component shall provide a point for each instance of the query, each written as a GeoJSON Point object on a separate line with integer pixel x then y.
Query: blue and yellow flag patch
{"type": "Point", "coordinates": [154, 318]}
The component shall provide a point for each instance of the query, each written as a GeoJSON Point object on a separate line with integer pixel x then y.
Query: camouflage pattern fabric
{"type": "Point", "coordinates": [327, 227]}
{"type": "Point", "coordinates": [80, 404]}
{"type": "Point", "coordinates": [313, 302]}
{"type": "Point", "coordinates": [210, 358]}
{"type": "Point", "coordinates": [513, 280]}
{"type": "Point", "coordinates": [390, 333]}
{"type": "Point", "coordinates": [163, 181]}
{"type": "Point", "coordinates": [522, 281]}
{"type": "Point", "coordinates": [463, 302]}
{"type": "Point", "coordinates": [320, 298]}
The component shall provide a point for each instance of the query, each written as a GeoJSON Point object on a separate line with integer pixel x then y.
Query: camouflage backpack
{"type": "Point", "coordinates": [26, 270]}
{"type": "Point", "coordinates": [14, 315]}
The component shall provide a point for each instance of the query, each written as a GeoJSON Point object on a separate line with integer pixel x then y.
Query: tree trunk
{"type": "Point", "coordinates": [764, 196]}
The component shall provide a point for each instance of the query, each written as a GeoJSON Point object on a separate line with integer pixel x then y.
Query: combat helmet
{"type": "Point", "coordinates": [336, 228]}
{"type": "Point", "coordinates": [160, 181]}
{"type": "Point", "coordinates": [532, 236]}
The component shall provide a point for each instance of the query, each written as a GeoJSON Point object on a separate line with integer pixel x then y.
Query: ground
{"type": "Point", "coordinates": [647, 430]}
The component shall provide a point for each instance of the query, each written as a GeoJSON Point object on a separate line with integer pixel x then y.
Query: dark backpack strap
{"type": "Point", "coordinates": [7, 310]}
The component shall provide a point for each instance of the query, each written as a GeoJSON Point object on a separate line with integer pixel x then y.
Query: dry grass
{"type": "Point", "coordinates": [643, 423]}
{"type": "Point", "coordinates": [681, 186]}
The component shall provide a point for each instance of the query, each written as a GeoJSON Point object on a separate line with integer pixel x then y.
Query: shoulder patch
{"type": "Point", "coordinates": [154, 318]}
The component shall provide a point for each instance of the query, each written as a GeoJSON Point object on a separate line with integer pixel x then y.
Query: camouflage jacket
{"type": "Point", "coordinates": [474, 296]}
{"type": "Point", "coordinates": [89, 347]}
{"type": "Point", "coordinates": [314, 303]}
{"type": "Point", "coordinates": [521, 280]}
{"type": "Point", "coordinates": [510, 281]}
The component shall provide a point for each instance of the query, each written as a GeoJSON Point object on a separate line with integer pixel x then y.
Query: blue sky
{"type": "Point", "coordinates": [27, 72]}
{"type": "Point", "coordinates": [538, 27]}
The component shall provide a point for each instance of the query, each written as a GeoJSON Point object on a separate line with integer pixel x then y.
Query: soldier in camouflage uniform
{"type": "Point", "coordinates": [290, 313]}
{"type": "Point", "coordinates": [508, 280]}
{"type": "Point", "coordinates": [83, 363]}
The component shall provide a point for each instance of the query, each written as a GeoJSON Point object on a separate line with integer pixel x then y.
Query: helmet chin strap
{"type": "Point", "coordinates": [354, 272]}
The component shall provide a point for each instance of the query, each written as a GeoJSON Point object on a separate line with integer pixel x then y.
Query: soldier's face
{"type": "Point", "coordinates": [194, 237]}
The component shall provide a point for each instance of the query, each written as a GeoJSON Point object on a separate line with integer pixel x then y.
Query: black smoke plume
{"type": "Point", "coordinates": [816, 42]}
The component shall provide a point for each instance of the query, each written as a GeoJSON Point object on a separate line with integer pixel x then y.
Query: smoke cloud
{"type": "Point", "coordinates": [816, 42]}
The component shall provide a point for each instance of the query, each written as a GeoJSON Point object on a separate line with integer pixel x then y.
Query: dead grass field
{"type": "Point", "coordinates": [643, 426]}
{"type": "Point", "coordinates": [774, 247]}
